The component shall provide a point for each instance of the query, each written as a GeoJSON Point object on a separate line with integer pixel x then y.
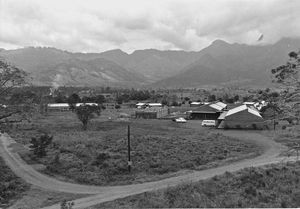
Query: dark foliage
{"type": "Point", "coordinates": [10, 185]}
{"type": "Point", "coordinates": [38, 145]}
{"type": "Point", "coordinates": [86, 112]}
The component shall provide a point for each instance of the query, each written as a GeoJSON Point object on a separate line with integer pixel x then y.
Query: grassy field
{"type": "Point", "coordinates": [275, 186]}
{"type": "Point", "coordinates": [160, 148]}
{"type": "Point", "coordinates": [289, 137]}
{"type": "Point", "coordinates": [11, 186]}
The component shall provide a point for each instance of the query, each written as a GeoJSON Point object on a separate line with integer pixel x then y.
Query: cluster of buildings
{"type": "Point", "coordinates": [239, 116]}
{"type": "Point", "coordinates": [234, 116]}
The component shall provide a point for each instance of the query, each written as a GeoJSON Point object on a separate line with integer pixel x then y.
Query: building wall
{"type": "Point", "coordinates": [152, 113]}
{"type": "Point", "coordinates": [204, 116]}
{"type": "Point", "coordinates": [146, 115]}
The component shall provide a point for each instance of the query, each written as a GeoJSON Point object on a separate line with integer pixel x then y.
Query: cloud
{"type": "Point", "coordinates": [99, 25]}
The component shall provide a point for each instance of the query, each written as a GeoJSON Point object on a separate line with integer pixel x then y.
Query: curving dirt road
{"type": "Point", "coordinates": [100, 194]}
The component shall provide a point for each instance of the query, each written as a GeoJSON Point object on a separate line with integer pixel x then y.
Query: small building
{"type": "Point", "coordinates": [91, 104]}
{"type": "Point", "coordinates": [141, 105]}
{"type": "Point", "coordinates": [58, 107]}
{"type": "Point", "coordinates": [151, 113]}
{"type": "Point", "coordinates": [242, 117]}
{"type": "Point", "coordinates": [154, 105]}
{"type": "Point", "coordinates": [208, 112]}
{"type": "Point", "coordinates": [196, 104]}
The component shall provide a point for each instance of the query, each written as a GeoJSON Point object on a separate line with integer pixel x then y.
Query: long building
{"type": "Point", "coordinates": [208, 111]}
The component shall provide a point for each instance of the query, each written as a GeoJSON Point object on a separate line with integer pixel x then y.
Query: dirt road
{"type": "Point", "coordinates": [101, 194]}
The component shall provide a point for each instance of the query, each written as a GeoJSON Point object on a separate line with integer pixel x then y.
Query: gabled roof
{"type": "Point", "coordinates": [217, 107]}
{"type": "Point", "coordinates": [221, 104]}
{"type": "Point", "coordinates": [210, 108]}
{"type": "Point", "coordinates": [242, 108]}
{"type": "Point", "coordinates": [222, 116]}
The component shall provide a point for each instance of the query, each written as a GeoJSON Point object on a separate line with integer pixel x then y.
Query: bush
{"type": "Point", "coordinates": [238, 126]}
{"type": "Point", "coordinates": [10, 185]}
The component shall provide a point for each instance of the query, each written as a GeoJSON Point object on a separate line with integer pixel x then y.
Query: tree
{"type": "Point", "coordinates": [73, 99]}
{"type": "Point", "coordinates": [100, 99]}
{"type": "Point", "coordinates": [288, 76]}
{"type": "Point", "coordinates": [211, 98]}
{"type": "Point", "coordinates": [87, 112]}
{"type": "Point", "coordinates": [39, 145]}
{"type": "Point", "coordinates": [236, 98]}
{"type": "Point", "coordinates": [11, 78]}
{"type": "Point", "coordinates": [66, 205]}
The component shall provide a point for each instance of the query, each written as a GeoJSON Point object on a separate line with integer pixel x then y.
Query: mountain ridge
{"type": "Point", "coordinates": [155, 68]}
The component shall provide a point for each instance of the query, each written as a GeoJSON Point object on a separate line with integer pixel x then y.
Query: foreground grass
{"type": "Point", "coordinates": [274, 186]}
{"type": "Point", "coordinates": [11, 186]}
{"type": "Point", "coordinates": [159, 149]}
{"type": "Point", "coordinates": [36, 198]}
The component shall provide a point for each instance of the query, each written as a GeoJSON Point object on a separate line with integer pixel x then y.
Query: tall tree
{"type": "Point", "coordinates": [288, 76]}
{"type": "Point", "coordinates": [11, 78]}
{"type": "Point", "coordinates": [87, 112]}
{"type": "Point", "coordinates": [73, 99]}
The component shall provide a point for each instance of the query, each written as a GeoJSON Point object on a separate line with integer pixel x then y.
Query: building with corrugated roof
{"type": "Point", "coordinates": [208, 112]}
{"type": "Point", "coordinates": [242, 117]}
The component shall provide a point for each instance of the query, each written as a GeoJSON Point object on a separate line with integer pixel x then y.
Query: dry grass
{"type": "Point", "coordinates": [11, 186]}
{"type": "Point", "coordinates": [36, 198]}
{"type": "Point", "coordinates": [160, 148]}
{"type": "Point", "coordinates": [275, 186]}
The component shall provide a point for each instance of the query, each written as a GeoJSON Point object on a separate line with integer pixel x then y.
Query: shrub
{"type": "Point", "coordinates": [39, 145]}
{"type": "Point", "coordinates": [10, 184]}
{"type": "Point", "coordinates": [238, 126]}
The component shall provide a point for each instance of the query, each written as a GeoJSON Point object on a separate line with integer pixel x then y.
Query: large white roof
{"type": "Point", "coordinates": [58, 105]}
{"type": "Point", "coordinates": [217, 107]}
{"type": "Point", "coordinates": [221, 104]}
{"type": "Point", "coordinates": [222, 116]}
{"type": "Point", "coordinates": [155, 104]}
{"type": "Point", "coordinates": [195, 103]}
{"type": "Point", "coordinates": [249, 103]}
{"type": "Point", "coordinates": [242, 108]}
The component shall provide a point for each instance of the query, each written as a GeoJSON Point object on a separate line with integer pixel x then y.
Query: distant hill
{"type": "Point", "coordinates": [221, 63]}
{"type": "Point", "coordinates": [49, 66]}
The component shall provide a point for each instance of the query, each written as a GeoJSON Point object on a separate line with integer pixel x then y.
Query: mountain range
{"type": "Point", "coordinates": [221, 63]}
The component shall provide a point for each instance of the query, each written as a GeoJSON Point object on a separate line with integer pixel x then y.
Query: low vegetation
{"type": "Point", "coordinates": [11, 186]}
{"type": "Point", "coordinates": [276, 186]}
{"type": "Point", "coordinates": [159, 149]}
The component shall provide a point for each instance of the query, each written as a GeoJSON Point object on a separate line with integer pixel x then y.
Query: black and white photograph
{"type": "Point", "coordinates": [108, 104]}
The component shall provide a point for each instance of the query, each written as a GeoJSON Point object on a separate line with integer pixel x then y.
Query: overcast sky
{"type": "Point", "coordinates": [99, 25]}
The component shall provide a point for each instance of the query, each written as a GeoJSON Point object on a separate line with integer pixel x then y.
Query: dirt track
{"type": "Point", "coordinates": [101, 194]}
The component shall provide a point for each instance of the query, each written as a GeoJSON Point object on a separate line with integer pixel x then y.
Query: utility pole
{"type": "Point", "coordinates": [274, 121]}
{"type": "Point", "coordinates": [128, 144]}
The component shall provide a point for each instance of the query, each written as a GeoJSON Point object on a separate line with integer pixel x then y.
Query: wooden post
{"type": "Point", "coordinates": [128, 144]}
